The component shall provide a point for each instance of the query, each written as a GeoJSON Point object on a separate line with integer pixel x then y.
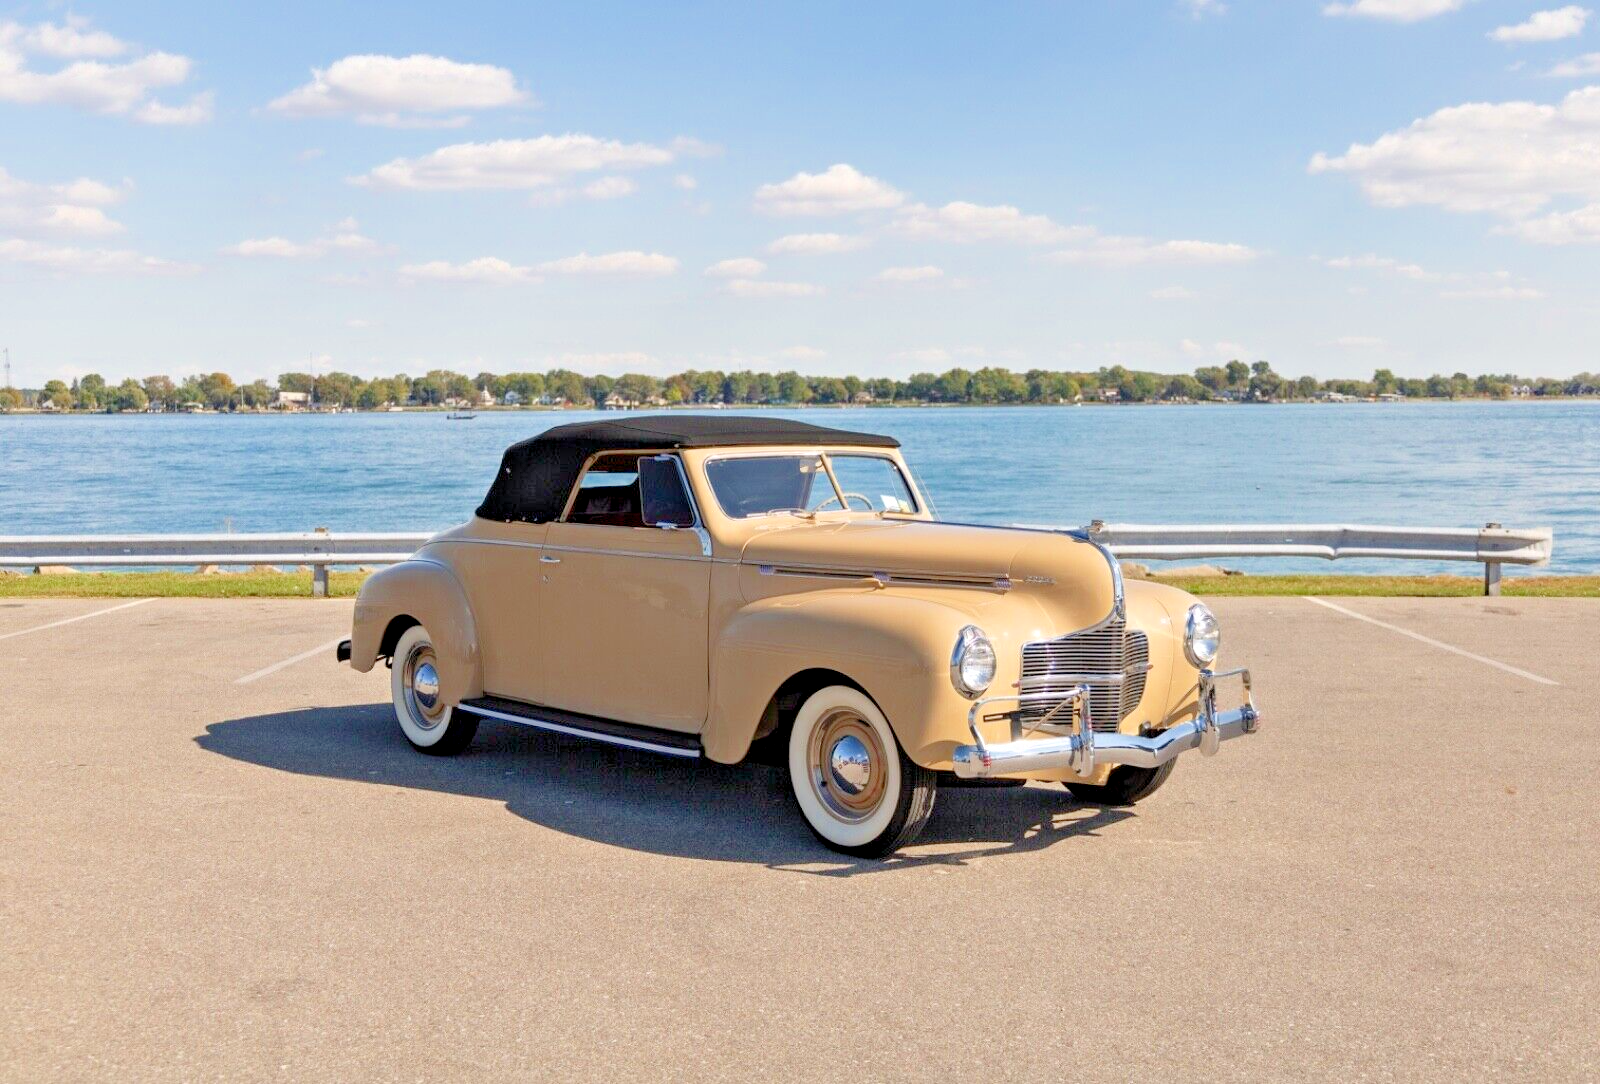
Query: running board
{"type": "Point", "coordinates": [666, 742]}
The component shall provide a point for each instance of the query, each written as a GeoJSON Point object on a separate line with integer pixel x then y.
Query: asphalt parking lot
{"type": "Point", "coordinates": [220, 860]}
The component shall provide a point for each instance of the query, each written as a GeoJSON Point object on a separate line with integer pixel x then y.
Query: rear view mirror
{"type": "Point", "coordinates": [663, 500]}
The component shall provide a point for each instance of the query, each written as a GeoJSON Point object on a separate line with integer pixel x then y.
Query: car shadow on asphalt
{"type": "Point", "coordinates": [627, 798]}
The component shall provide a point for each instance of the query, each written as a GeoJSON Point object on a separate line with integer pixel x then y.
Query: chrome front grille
{"type": "Point", "coordinates": [1097, 658]}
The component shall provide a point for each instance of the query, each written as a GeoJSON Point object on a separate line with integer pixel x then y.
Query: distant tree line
{"type": "Point", "coordinates": [441, 387]}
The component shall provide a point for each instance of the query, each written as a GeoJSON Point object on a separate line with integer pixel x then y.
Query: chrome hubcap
{"type": "Point", "coordinates": [426, 686]}
{"type": "Point", "coordinates": [422, 687]}
{"type": "Point", "coordinates": [847, 766]}
{"type": "Point", "coordinates": [850, 765]}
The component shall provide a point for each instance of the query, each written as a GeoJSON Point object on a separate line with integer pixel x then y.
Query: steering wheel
{"type": "Point", "coordinates": [848, 497]}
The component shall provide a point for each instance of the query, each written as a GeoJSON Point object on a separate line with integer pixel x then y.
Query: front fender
{"type": "Point", "coordinates": [427, 591]}
{"type": "Point", "coordinates": [895, 647]}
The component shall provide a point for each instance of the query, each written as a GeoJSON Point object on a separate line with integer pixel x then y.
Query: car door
{"type": "Point", "coordinates": [625, 602]}
{"type": "Point", "coordinates": [500, 569]}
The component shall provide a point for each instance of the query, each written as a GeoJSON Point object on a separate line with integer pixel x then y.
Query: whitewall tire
{"type": "Point", "coordinates": [856, 788]}
{"type": "Point", "coordinates": [429, 724]}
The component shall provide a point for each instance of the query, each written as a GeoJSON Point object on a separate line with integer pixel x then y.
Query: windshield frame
{"type": "Point", "coordinates": [825, 453]}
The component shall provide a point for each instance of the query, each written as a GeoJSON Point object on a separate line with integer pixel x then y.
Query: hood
{"type": "Point", "coordinates": [1073, 573]}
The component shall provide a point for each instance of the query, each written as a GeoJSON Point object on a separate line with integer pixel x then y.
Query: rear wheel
{"type": "Point", "coordinates": [429, 724]}
{"type": "Point", "coordinates": [1124, 786]}
{"type": "Point", "coordinates": [856, 788]}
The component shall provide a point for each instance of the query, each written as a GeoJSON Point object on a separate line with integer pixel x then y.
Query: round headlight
{"type": "Point", "coordinates": [1202, 636]}
{"type": "Point", "coordinates": [972, 664]}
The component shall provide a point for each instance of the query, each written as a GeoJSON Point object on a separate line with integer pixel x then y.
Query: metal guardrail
{"type": "Point", "coordinates": [1490, 545]}
{"type": "Point", "coordinates": [319, 549]}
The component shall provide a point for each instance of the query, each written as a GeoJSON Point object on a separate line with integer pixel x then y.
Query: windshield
{"type": "Point", "coordinates": [760, 485]}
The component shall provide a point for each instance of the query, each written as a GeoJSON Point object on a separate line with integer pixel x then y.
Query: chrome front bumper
{"type": "Point", "coordinates": [1081, 750]}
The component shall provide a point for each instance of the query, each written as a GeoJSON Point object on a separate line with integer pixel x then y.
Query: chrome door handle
{"type": "Point", "coordinates": [545, 558]}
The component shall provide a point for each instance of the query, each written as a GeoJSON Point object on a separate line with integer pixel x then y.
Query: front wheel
{"type": "Point", "coordinates": [429, 724]}
{"type": "Point", "coordinates": [856, 788]}
{"type": "Point", "coordinates": [1124, 786]}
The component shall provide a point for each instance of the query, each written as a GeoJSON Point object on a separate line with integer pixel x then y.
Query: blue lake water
{"type": "Point", "coordinates": [1424, 464]}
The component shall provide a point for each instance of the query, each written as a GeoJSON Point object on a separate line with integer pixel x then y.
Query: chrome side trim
{"type": "Point", "coordinates": [885, 578]}
{"type": "Point", "coordinates": [578, 732]}
{"type": "Point", "coordinates": [705, 543]}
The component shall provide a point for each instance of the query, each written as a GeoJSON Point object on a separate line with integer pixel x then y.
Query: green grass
{"type": "Point", "coordinates": [1416, 586]}
{"type": "Point", "coordinates": [345, 584]}
{"type": "Point", "coordinates": [176, 585]}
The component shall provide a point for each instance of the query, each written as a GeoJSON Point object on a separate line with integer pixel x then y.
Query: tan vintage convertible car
{"type": "Point", "coordinates": [712, 585]}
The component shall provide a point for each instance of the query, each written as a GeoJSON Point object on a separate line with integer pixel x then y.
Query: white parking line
{"type": "Point", "coordinates": [302, 657]}
{"type": "Point", "coordinates": [80, 617]}
{"type": "Point", "coordinates": [1432, 642]}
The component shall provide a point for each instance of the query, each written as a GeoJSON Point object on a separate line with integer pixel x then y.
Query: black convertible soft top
{"type": "Point", "coordinates": [537, 474]}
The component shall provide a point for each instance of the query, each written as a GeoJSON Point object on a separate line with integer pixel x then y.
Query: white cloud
{"type": "Point", "coordinates": [925, 273]}
{"type": "Point", "coordinates": [839, 189]}
{"type": "Point", "coordinates": [740, 267]}
{"type": "Point", "coordinates": [1511, 159]}
{"type": "Point", "coordinates": [1567, 22]}
{"type": "Point", "coordinates": [69, 260]}
{"type": "Point", "coordinates": [760, 288]}
{"type": "Point", "coordinates": [279, 247]}
{"type": "Point", "coordinates": [802, 353]}
{"type": "Point", "coordinates": [1494, 293]}
{"type": "Point", "coordinates": [613, 263]}
{"type": "Point", "coordinates": [1581, 226]}
{"type": "Point", "coordinates": [815, 244]}
{"type": "Point", "coordinates": [112, 89]}
{"type": "Point", "coordinates": [514, 163]}
{"type": "Point", "coordinates": [969, 222]}
{"type": "Point", "coordinates": [610, 188]}
{"type": "Point", "coordinates": [72, 39]}
{"type": "Point", "coordinates": [1395, 11]}
{"type": "Point", "coordinates": [1359, 342]}
{"type": "Point", "coordinates": [685, 182]}
{"type": "Point", "coordinates": [1173, 293]}
{"type": "Point", "coordinates": [1373, 262]}
{"type": "Point", "coordinates": [73, 208]}
{"type": "Point", "coordinates": [485, 270]}
{"type": "Point", "coordinates": [1579, 67]}
{"type": "Point", "coordinates": [345, 237]}
{"type": "Point", "coordinates": [1199, 9]}
{"type": "Point", "coordinates": [401, 91]}
{"type": "Point", "coordinates": [1113, 251]}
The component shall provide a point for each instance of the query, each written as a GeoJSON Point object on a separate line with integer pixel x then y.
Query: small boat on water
{"type": "Point", "coordinates": [461, 415]}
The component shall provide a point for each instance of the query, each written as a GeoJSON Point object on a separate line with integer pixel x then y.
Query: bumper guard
{"type": "Point", "coordinates": [1082, 749]}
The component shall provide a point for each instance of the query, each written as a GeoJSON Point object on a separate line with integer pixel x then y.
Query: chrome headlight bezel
{"type": "Point", "coordinates": [1202, 636]}
{"type": "Point", "coordinates": [972, 649]}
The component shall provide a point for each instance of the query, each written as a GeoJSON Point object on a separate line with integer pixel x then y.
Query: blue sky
{"type": "Point", "coordinates": [876, 189]}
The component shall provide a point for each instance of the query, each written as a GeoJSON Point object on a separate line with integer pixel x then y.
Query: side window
{"type": "Point", "coordinates": [873, 481]}
{"type": "Point", "coordinates": [608, 493]}
{"type": "Point", "coordinates": [664, 500]}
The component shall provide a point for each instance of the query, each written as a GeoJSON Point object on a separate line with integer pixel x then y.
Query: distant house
{"type": "Point", "coordinates": [553, 400]}
{"type": "Point", "coordinates": [1522, 391]}
{"type": "Point", "coordinates": [47, 406]}
{"type": "Point", "coordinates": [485, 397]}
{"type": "Point", "coordinates": [289, 400]}
{"type": "Point", "coordinates": [619, 401]}
{"type": "Point", "coordinates": [511, 398]}
{"type": "Point", "coordinates": [1110, 395]}
{"type": "Point", "coordinates": [455, 402]}
{"type": "Point", "coordinates": [1391, 397]}
{"type": "Point", "coordinates": [864, 396]}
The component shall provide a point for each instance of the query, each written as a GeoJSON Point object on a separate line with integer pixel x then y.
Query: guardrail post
{"type": "Point", "coordinates": [319, 581]}
{"type": "Point", "coordinates": [1491, 578]}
